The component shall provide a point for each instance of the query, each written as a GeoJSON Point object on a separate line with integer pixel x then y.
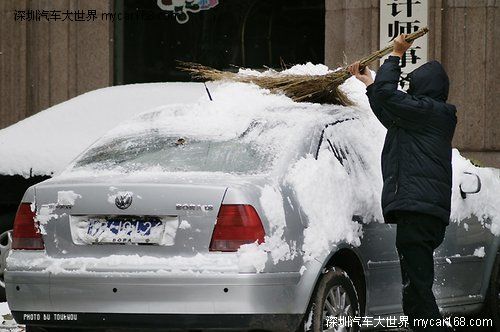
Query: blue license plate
{"type": "Point", "coordinates": [125, 230]}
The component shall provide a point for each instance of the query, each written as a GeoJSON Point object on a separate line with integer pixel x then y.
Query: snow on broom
{"type": "Point", "coordinates": [300, 88]}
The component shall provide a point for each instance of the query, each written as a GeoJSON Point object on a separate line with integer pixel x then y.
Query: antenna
{"type": "Point", "coordinates": [208, 91]}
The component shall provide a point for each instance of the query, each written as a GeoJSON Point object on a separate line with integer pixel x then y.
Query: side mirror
{"type": "Point", "coordinates": [471, 184]}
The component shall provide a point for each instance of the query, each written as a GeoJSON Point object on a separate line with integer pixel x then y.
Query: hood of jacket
{"type": "Point", "coordinates": [429, 80]}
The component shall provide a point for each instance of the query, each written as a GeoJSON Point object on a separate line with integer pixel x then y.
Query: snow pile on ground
{"type": "Point", "coordinates": [8, 323]}
{"type": "Point", "coordinates": [485, 205]}
{"type": "Point", "coordinates": [46, 142]}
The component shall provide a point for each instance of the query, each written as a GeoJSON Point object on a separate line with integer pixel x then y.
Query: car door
{"type": "Point", "coordinates": [358, 150]}
{"type": "Point", "coordinates": [357, 154]}
{"type": "Point", "coordinates": [470, 240]}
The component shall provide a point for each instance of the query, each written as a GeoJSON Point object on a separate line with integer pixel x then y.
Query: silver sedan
{"type": "Point", "coordinates": [150, 228]}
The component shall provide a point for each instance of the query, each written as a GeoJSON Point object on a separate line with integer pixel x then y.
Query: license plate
{"type": "Point", "coordinates": [148, 230]}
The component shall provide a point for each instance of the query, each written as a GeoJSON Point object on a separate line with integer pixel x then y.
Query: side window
{"type": "Point", "coordinates": [356, 144]}
{"type": "Point", "coordinates": [336, 139]}
{"type": "Point", "coordinates": [339, 153]}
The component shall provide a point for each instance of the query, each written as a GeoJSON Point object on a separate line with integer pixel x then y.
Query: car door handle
{"type": "Point", "coordinates": [470, 189]}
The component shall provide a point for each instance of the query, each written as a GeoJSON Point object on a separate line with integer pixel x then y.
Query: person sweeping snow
{"type": "Point", "coordinates": [416, 169]}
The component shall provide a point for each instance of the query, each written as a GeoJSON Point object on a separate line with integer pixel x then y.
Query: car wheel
{"type": "Point", "coordinates": [5, 246]}
{"type": "Point", "coordinates": [334, 301]}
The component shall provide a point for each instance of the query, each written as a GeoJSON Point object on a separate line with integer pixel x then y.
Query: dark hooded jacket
{"type": "Point", "coordinates": [416, 159]}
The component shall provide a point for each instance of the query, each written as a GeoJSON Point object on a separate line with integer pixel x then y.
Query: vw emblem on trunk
{"type": "Point", "coordinates": [123, 200]}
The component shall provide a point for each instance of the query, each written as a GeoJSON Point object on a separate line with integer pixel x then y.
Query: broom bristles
{"type": "Point", "coordinates": [323, 89]}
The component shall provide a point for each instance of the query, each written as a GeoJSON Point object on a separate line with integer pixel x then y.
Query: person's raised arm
{"type": "Point", "coordinates": [390, 105]}
{"type": "Point", "coordinates": [400, 46]}
{"type": "Point", "coordinates": [365, 76]}
{"type": "Point", "coordinates": [388, 75]}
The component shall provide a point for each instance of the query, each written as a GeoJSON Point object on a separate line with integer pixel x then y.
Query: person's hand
{"type": "Point", "coordinates": [400, 46]}
{"type": "Point", "coordinates": [364, 76]}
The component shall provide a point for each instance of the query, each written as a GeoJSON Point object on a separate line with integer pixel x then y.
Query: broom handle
{"type": "Point", "coordinates": [388, 49]}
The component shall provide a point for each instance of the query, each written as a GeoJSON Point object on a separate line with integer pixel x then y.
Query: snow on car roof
{"type": "Point", "coordinates": [273, 124]}
{"type": "Point", "coordinates": [47, 141]}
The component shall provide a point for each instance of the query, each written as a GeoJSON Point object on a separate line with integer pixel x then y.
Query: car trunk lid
{"type": "Point", "coordinates": [162, 220]}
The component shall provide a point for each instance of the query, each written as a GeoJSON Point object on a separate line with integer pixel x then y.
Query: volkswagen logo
{"type": "Point", "coordinates": [123, 200]}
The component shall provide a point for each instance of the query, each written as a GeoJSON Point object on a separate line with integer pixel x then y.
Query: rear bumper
{"type": "Point", "coordinates": [264, 293]}
{"type": "Point", "coordinates": [274, 301]}
{"type": "Point", "coordinates": [239, 322]}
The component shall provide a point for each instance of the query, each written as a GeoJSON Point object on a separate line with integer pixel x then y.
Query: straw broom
{"type": "Point", "coordinates": [322, 89]}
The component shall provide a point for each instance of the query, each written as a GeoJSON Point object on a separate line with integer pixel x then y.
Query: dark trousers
{"type": "Point", "coordinates": [418, 235]}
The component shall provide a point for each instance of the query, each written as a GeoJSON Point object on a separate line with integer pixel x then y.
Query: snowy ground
{"type": "Point", "coordinates": [7, 322]}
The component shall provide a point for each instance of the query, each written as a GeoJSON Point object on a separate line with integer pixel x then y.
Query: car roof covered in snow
{"type": "Point", "coordinates": [273, 125]}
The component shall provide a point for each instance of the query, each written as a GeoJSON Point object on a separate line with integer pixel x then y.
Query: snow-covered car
{"type": "Point", "coordinates": [247, 212]}
{"type": "Point", "coordinates": [37, 147]}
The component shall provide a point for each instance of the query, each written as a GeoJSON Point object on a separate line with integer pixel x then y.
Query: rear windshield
{"type": "Point", "coordinates": [177, 154]}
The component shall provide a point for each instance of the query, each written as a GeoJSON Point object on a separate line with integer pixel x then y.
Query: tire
{"type": "Point", "coordinates": [335, 296]}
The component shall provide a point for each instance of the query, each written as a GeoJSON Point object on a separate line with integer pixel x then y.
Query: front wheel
{"type": "Point", "coordinates": [334, 304]}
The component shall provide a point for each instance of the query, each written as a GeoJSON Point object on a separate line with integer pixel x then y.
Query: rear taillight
{"type": "Point", "coordinates": [26, 234]}
{"type": "Point", "coordinates": [236, 225]}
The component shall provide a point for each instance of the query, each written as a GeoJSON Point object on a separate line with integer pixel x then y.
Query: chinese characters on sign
{"type": "Point", "coordinates": [404, 16]}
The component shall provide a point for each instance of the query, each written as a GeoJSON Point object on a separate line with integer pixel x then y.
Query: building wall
{"type": "Point", "coordinates": [463, 36]}
{"type": "Point", "coordinates": [44, 63]}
